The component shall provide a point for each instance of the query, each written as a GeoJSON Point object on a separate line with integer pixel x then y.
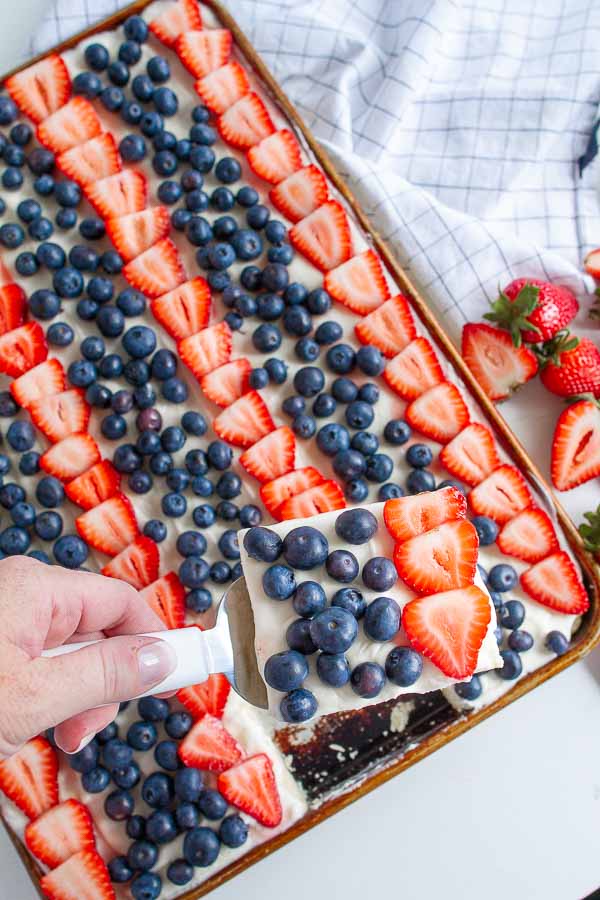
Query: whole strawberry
{"type": "Point", "coordinates": [533, 310]}
{"type": "Point", "coordinates": [570, 367]}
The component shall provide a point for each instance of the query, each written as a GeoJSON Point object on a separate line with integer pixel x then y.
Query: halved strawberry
{"type": "Point", "coordinates": [276, 157]}
{"type": "Point", "coordinates": [323, 237]}
{"type": "Point", "coordinates": [184, 310]}
{"type": "Point", "coordinates": [60, 415]}
{"type": "Point", "coordinates": [472, 455]}
{"type": "Point", "coordinates": [167, 598]}
{"type": "Point", "coordinates": [119, 194]}
{"type": "Point", "coordinates": [41, 381]}
{"type": "Point", "coordinates": [97, 158]}
{"type": "Point", "coordinates": [157, 270]}
{"type": "Point", "coordinates": [592, 263]}
{"type": "Point", "coordinates": [74, 123]}
{"type": "Point", "coordinates": [449, 628]}
{"type": "Point", "coordinates": [300, 194]}
{"type": "Point", "coordinates": [42, 88]}
{"type": "Point", "coordinates": [245, 422]}
{"type": "Point", "coordinates": [576, 446]}
{"type": "Point", "coordinates": [529, 536]}
{"type": "Point", "coordinates": [22, 348]}
{"type": "Point", "coordinates": [501, 496]}
{"type": "Point", "coordinates": [83, 876]}
{"type": "Point", "coordinates": [440, 413]}
{"type": "Point", "coordinates": [554, 582]}
{"type": "Point", "coordinates": [321, 498]}
{"type": "Point", "coordinates": [60, 832]}
{"type": "Point", "coordinates": [220, 89]}
{"type": "Point", "coordinates": [5, 275]}
{"type": "Point", "coordinates": [414, 370]}
{"type": "Point", "coordinates": [94, 486]}
{"type": "Point", "coordinates": [109, 527]}
{"type": "Point", "coordinates": [137, 231]}
{"type": "Point", "coordinates": [228, 382]}
{"type": "Point", "coordinates": [276, 492]}
{"type": "Point", "coordinates": [496, 363]}
{"type": "Point", "coordinates": [137, 564]}
{"type": "Point", "coordinates": [179, 17]}
{"type": "Point", "coordinates": [209, 697]}
{"type": "Point", "coordinates": [359, 284]}
{"type": "Point", "coordinates": [207, 349]}
{"type": "Point", "coordinates": [272, 456]}
{"type": "Point", "coordinates": [70, 457]}
{"type": "Point", "coordinates": [204, 51]}
{"type": "Point", "coordinates": [439, 560]}
{"type": "Point", "coordinates": [246, 122]}
{"type": "Point", "coordinates": [209, 746]}
{"type": "Point", "coordinates": [251, 786]}
{"type": "Point", "coordinates": [30, 777]}
{"type": "Point", "coordinates": [407, 517]}
{"type": "Point", "coordinates": [390, 327]}
{"type": "Point", "coordinates": [12, 307]}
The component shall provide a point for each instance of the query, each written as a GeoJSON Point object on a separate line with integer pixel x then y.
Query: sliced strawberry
{"type": "Point", "coordinates": [179, 17]}
{"type": "Point", "coordinates": [228, 382]}
{"type": "Point", "coordinates": [184, 310]}
{"type": "Point", "coordinates": [136, 232]}
{"type": "Point", "coordinates": [30, 777]}
{"type": "Point", "coordinates": [390, 327]}
{"type": "Point", "coordinates": [167, 598]}
{"type": "Point", "coordinates": [209, 697]}
{"type": "Point", "coordinates": [207, 349]}
{"type": "Point", "coordinates": [501, 496]}
{"type": "Point", "coordinates": [95, 486]}
{"type": "Point", "coordinates": [76, 122]}
{"type": "Point", "coordinates": [245, 422]}
{"type": "Point", "coordinates": [359, 284]}
{"type": "Point", "coordinates": [440, 413]}
{"type": "Point", "coordinates": [246, 122]}
{"type": "Point", "coordinates": [137, 564]}
{"type": "Point", "coordinates": [496, 363]}
{"type": "Point", "coordinates": [41, 381]}
{"type": "Point", "coordinates": [5, 276]}
{"type": "Point", "coordinates": [208, 745]}
{"type": "Point", "coordinates": [83, 876]}
{"type": "Point", "coordinates": [96, 159]}
{"type": "Point", "coordinates": [61, 415]}
{"type": "Point", "coordinates": [323, 237]}
{"type": "Point", "coordinates": [276, 492]}
{"type": "Point", "coordinates": [220, 89]}
{"type": "Point", "coordinates": [42, 88]}
{"type": "Point", "coordinates": [118, 195]}
{"type": "Point", "coordinates": [12, 307]}
{"type": "Point", "coordinates": [439, 560]}
{"type": "Point", "coordinates": [300, 194]}
{"type": "Point", "coordinates": [60, 832]}
{"type": "Point", "coordinates": [272, 456]}
{"type": "Point", "coordinates": [156, 271]}
{"type": "Point", "coordinates": [407, 517]}
{"type": "Point", "coordinates": [414, 370]}
{"type": "Point", "coordinates": [449, 628]}
{"type": "Point", "coordinates": [472, 455]}
{"type": "Point", "coordinates": [109, 527]}
{"type": "Point", "coordinates": [22, 348]}
{"type": "Point", "coordinates": [529, 536]}
{"type": "Point", "coordinates": [592, 263]}
{"type": "Point", "coordinates": [202, 52]}
{"type": "Point", "coordinates": [251, 786]}
{"type": "Point", "coordinates": [321, 498]}
{"type": "Point", "coordinates": [70, 457]}
{"type": "Point", "coordinates": [276, 157]}
{"type": "Point", "coordinates": [576, 446]}
{"type": "Point", "coordinates": [554, 582]}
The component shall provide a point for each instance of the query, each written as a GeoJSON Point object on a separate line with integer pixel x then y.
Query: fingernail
{"type": "Point", "coordinates": [155, 662]}
{"type": "Point", "coordinates": [85, 740]}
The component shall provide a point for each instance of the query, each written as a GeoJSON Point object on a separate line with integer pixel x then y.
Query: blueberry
{"type": "Point", "coordinates": [382, 619]}
{"type": "Point", "coordinates": [251, 278]}
{"type": "Point", "coordinates": [263, 544]}
{"type": "Point", "coordinates": [119, 805]}
{"type": "Point", "coordinates": [333, 630]}
{"type": "Point", "coordinates": [512, 665]}
{"type": "Point", "coordinates": [96, 780]}
{"type": "Point", "coordinates": [135, 29]}
{"type": "Point", "coordinates": [191, 543]}
{"type": "Point", "coordinates": [286, 671]}
{"type": "Point", "coordinates": [174, 505]}
{"type": "Point", "coordinates": [14, 541]}
{"type": "Point", "coordinates": [468, 690]}
{"type": "Point", "coordinates": [43, 185]}
{"type": "Point", "coordinates": [511, 614]}
{"type": "Point", "coordinates": [309, 381]}
{"type": "Point", "coordinates": [367, 679]}
{"type": "Point", "coordinates": [233, 831]}
{"type": "Point", "coordinates": [4, 490]}
{"type": "Point", "coordinates": [379, 573]}
{"type": "Point", "coordinates": [142, 735]}
{"type": "Point", "coordinates": [111, 321]}
{"type": "Point", "coordinates": [369, 360]}
{"type": "Point", "coordinates": [193, 572]}
{"type": "Point", "coordinates": [139, 341]}
{"type": "Point", "coordinates": [228, 544]}
{"type": "Point", "coordinates": [132, 148]}
{"type": "Point", "coordinates": [153, 709]}
{"type": "Point", "coordinates": [359, 414]}
{"type": "Point", "coordinates": [86, 759]}
{"type": "Point", "coordinates": [66, 218]}
{"type": "Point", "coordinates": [365, 442]}
{"type": "Point", "coordinates": [299, 638]}
{"type": "Point", "coordinates": [146, 886]}
{"type": "Point", "coordinates": [188, 782]}
{"type": "Point", "coordinates": [119, 870]}
{"type": "Point", "coordinates": [158, 790]}
{"type": "Point", "coordinates": [87, 84]}
{"type": "Point", "coordinates": [250, 516]}
{"type": "Point", "coordinates": [21, 436]}
{"type": "Point", "coordinates": [356, 526]}
{"type": "Point", "coordinates": [487, 530]}
{"type": "Point", "coordinates": [379, 467]}
{"type": "Point", "coordinates": [202, 157]}
{"type": "Point", "coordinates": [29, 464]}
{"type": "Point", "coordinates": [212, 804]}
{"type": "Point", "coordinates": [40, 161]}
{"type": "Point", "coordinates": [309, 599]}
{"type": "Point", "coordinates": [127, 777]}
{"type": "Point", "coordinates": [49, 492]}
{"type": "Point", "coordinates": [247, 196]}
{"type": "Point", "coordinates": [165, 754]}
{"type": "Point", "coordinates": [340, 359]}
{"type": "Point", "coordinates": [247, 245]}
{"type": "Point", "coordinates": [100, 289]}
{"type": "Point", "coordinates": [258, 378]}
{"type": "Point", "coordinates": [177, 726]}
{"type": "Point", "coordinates": [156, 530]}
{"type": "Point", "coordinates": [332, 438]}
{"type": "Point", "coordinates": [118, 72]}
{"type": "Point", "coordinates": [26, 264]}
{"type": "Point", "coordinates": [130, 52]}
{"type": "Point", "coordinates": [520, 641]}
{"type": "Point", "coordinates": [11, 494]}
{"type": "Point", "coordinates": [8, 110]}
{"type": "Point", "coordinates": [342, 566]}
{"type": "Point", "coordinates": [142, 855]}
{"type": "Point", "coordinates": [389, 491]}
{"type": "Point", "coordinates": [70, 551]}
{"type": "Point", "coordinates": [29, 210]}
{"type": "Point", "coordinates": [324, 406]}
{"type": "Point", "coordinates": [306, 349]}
{"type": "Point", "coordinates": [180, 872]}
{"type": "Point", "coordinates": [293, 406]}
{"type": "Point", "coordinates": [201, 846]}
{"type": "Point", "coordinates": [298, 706]}
{"type": "Point", "coordinates": [187, 816]}
{"type": "Point", "coordinates": [97, 57]}
{"type": "Point", "coordinates": [420, 480]}
{"type": "Point", "coordinates": [11, 235]}
{"type": "Point", "coordinates": [419, 456]}
{"type": "Point", "coordinates": [12, 179]}
{"type": "Point", "coordinates": [80, 257]}
{"type": "Point", "coordinates": [161, 826]}
{"type": "Point", "coordinates": [556, 642]}
{"type": "Point", "coordinates": [502, 577]}
{"type": "Point", "coordinates": [219, 455]}
{"type": "Point", "coordinates": [220, 572]}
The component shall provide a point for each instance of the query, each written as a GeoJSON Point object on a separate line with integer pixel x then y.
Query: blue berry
{"type": "Point", "coordinates": [344, 390]}
{"type": "Point", "coordinates": [342, 566]}
{"type": "Point", "coordinates": [350, 600]}
{"type": "Point", "coordinates": [247, 196]}
{"type": "Point", "coordinates": [29, 464]}
{"type": "Point", "coordinates": [119, 870]}
{"type": "Point", "coordinates": [379, 467]}
{"type": "Point", "coordinates": [142, 855]}
{"type": "Point", "coordinates": [333, 630]}
{"type": "Point", "coordinates": [97, 57]}
{"type": "Point", "coordinates": [286, 671]}
{"type": "Point", "coordinates": [139, 341]}
{"type": "Point", "coordinates": [419, 456]}
{"type": "Point", "coordinates": [146, 886]}
{"type": "Point", "coordinates": [420, 480]}
{"type": "Point", "coordinates": [139, 482]}
{"type": "Point", "coordinates": [161, 463]}
{"type": "Point", "coordinates": [14, 541]}
{"type": "Point", "coordinates": [298, 706]}
{"type": "Point", "coordinates": [111, 321]}
{"type": "Point", "coordinates": [304, 426]}
{"type": "Point", "coordinates": [132, 112]}
{"type": "Point", "coordinates": [305, 547]}
{"type": "Point", "coordinates": [11, 494]}
{"type": "Point", "coordinates": [29, 210]}
{"type": "Point", "coordinates": [306, 349]}
{"type": "Point", "coordinates": [80, 257]}
{"type": "Point", "coordinates": [201, 846]}
{"type": "Point", "coordinates": [520, 641]}
{"type": "Point", "coordinates": [368, 393]}
{"type": "Point", "coordinates": [21, 436]}
{"type": "Point", "coordinates": [333, 438]}
{"type": "Point", "coordinates": [48, 526]}
{"type": "Point", "coordinates": [86, 759]}
{"type": "Point", "coordinates": [511, 614]}
{"type": "Point", "coordinates": [132, 148]}
{"type": "Point", "coordinates": [191, 543]}
{"type": "Point", "coordinates": [113, 427]}
{"type": "Point", "coordinates": [8, 110]}
{"type": "Point", "coordinates": [23, 515]}
{"type": "Point", "coordinates": [96, 780]}
{"type": "Point", "coordinates": [49, 492]}
{"type": "Point", "coordinates": [502, 577]}
{"type": "Point", "coordinates": [349, 464]}
{"type": "Point", "coordinates": [356, 526]}
{"type": "Point", "coordinates": [324, 406]}
{"type": "Point", "coordinates": [487, 530]}
{"type": "Point", "coordinates": [161, 826]}
{"type": "Point", "coordinates": [165, 100]}
{"type": "Point", "coordinates": [468, 690]}
{"type": "Point", "coordinates": [87, 84]}
{"type": "Point", "coordinates": [165, 754]}
{"type": "Point", "coordinates": [276, 370]}
{"type": "Point", "coordinates": [156, 530]}
{"type": "Point", "coordinates": [382, 619]}
{"type": "Point", "coordinates": [359, 414]}
{"type": "Point", "coordinates": [130, 52]}
{"type": "Point", "coordinates": [379, 573]}
{"type": "Point", "coordinates": [228, 170]}
{"type": "Point", "coordinates": [298, 637]}
{"type": "Point", "coordinates": [389, 491]}
{"type": "Point", "coordinates": [340, 359]}
{"type": "Point", "coordinates": [119, 805]}
{"type": "Point", "coordinates": [135, 29]}
{"type": "Point", "coordinates": [279, 582]}
{"type": "Point", "coordinates": [202, 157]}
{"type": "Point", "coordinates": [169, 192]}
{"type": "Point", "coordinates": [43, 184]}
{"type": "Point", "coordinates": [142, 735]}
{"type": "Point", "coordinates": [177, 726]}
{"type": "Point", "coordinates": [247, 245]}
{"type": "Point", "coordinates": [66, 218]}
{"type": "Point", "coordinates": [556, 642]}
{"type": "Point", "coordinates": [45, 304]}
{"type": "Point", "coordinates": [127, 777]}
{"type": "Point", "coordinates": [158, 790]}
{"type": "Point", "coordinates": [198, 600]}
{"type": "Point", "coordinates": [174, 505]}
{"type": "Point", "coordinates": [512, 665]}
{"type": "Point", "coordinates": [367, 679]}
{"type": "Point", "coordinates": [11, 235]}
{"type": "Point", "coordinates": [309, 381]}
{"type": "Point", "coordinates": [26, 264]}
{"type": "Point", "coordinates": [153, 709]}
{"type": "Point", "coordinates": [118, 72]}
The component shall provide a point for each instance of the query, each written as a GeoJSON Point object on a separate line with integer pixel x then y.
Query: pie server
{"type": "Point", "coordinates": [226, 648]}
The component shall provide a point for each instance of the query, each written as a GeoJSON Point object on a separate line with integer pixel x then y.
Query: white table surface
{"type": "Point", "coordinates": [510, 809]}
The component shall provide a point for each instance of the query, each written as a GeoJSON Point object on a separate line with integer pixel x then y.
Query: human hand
{"type": "Point", "coordinates": [44, 606]}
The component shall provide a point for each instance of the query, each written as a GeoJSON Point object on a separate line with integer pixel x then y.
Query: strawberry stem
{"type": "Point", "coordinates": [512, 315]}
{"type": "Point", "coordinates": [590, 531]}
{"type": "Point", "coordinates": [594, 312]}
{"type": "Point", "coordinates": [551, 351]}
